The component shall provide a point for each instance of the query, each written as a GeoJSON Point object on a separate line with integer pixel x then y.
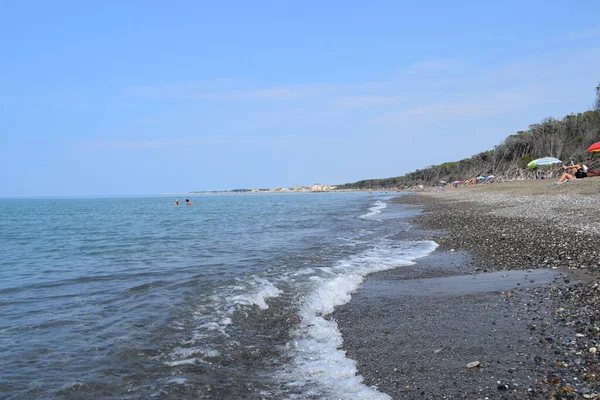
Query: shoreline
{"type": "Point", "coordinates": [534, 340]}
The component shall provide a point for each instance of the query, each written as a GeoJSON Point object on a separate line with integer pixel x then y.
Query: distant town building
{"type": "Point", "coordinates": [317, 187]}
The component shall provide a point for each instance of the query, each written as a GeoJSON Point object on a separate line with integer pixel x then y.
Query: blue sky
{"type": "Point", "coordinates": [142, 97]}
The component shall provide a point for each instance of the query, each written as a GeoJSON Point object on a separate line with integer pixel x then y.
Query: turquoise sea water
{"type": "Point", "coordinates": [228, 298]}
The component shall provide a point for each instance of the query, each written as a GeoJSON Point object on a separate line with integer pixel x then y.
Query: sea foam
{"type": "Point", "coordinates": [319, 365]}
{"type": "Point", "coordinates": [216, 319]}
{"type": "Point", "coordinates": [374, 210]}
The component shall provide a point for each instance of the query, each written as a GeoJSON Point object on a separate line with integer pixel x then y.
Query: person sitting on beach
{"type": "Point", "coordinates": [571, 172]}
{"type": "Point", "coordinates": [188, 202]}
{"type": "Point", "coordinates": [577, 171]}
{"type": "Point", "coordinates": [176, 202]}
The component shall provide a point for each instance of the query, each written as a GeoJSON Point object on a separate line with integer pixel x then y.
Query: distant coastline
{"type": "Point", "coordinates": [316, 188]}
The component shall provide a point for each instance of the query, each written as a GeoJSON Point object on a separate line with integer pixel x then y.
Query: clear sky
{"type": "Point", "coordinates": [142, 97]}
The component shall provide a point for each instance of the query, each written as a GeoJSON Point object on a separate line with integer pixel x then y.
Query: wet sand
{"type": "Point", "coordinates": [462, 285]}
{"type": "Point", "coordinates": [506, 288]}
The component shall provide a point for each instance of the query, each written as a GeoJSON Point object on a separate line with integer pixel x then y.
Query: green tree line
{"type": "Point", "coordinates": [567, 139]}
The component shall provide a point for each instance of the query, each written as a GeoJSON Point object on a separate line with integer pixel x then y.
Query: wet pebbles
{"type": "Point", "coordinates": [531, 342]}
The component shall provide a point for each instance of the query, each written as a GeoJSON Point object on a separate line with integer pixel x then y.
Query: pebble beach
{"type": "Point", "coordinates": [507, 307]}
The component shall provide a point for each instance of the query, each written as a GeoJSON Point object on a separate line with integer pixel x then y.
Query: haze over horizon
{"type": "Point", "coordinates": [126, 98]}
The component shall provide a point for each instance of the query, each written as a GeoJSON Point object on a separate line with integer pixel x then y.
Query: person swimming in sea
{"type": "Point", "coordinates": [188, 202]}
{"type": "Point", "coordinates": [176, 202]}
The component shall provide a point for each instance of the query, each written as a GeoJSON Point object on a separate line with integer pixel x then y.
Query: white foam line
{"type": "Point", "coordinates": [177, 381]}
{"type": "Point", "coordinates": [187, 361]}
{"type": "Point", "coordinates": [374, 210]}
{"type": "Point", "coordinates": [317, 357]}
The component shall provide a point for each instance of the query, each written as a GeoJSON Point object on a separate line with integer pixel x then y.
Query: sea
{"type": "Point", "coordinates": [230, 298]}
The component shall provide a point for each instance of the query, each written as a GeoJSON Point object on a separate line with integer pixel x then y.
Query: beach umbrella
{"type": "Point", "coordinates": [595, 148]}
{"type": "Point", "coordinates": [544, 161]}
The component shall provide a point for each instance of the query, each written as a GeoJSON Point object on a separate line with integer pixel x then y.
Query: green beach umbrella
{"type": "Point", "coordinates": [544, 161]}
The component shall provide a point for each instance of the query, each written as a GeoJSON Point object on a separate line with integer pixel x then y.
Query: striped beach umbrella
{"type": "Point", "coordinates": [544, 161]}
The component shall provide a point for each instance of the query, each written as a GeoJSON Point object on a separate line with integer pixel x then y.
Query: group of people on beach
{"type": "Point", "coordinates": [187, 202]}
{"type": "Point", "coordinates": [479, 179]}
{"type": "Point", "coordinates": [571, 172]}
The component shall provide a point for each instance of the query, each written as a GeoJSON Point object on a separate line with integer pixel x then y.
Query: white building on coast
{"type": "Point", "coordinates": [317, 187]}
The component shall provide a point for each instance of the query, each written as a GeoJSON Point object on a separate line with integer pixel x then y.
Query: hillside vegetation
{"type": "Point", "coordinates": [566, 139]}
